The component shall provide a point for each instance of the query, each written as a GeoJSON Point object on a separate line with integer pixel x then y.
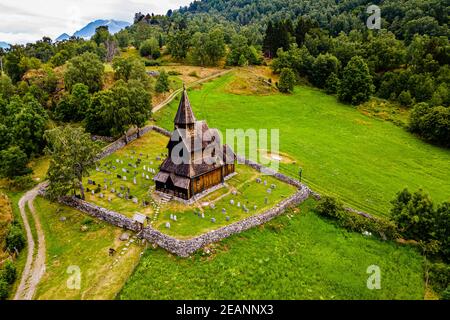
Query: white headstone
{"type": "Point", "coordinates": [124, 178]}
{"type": "Point", "coordinates": [168, 225]}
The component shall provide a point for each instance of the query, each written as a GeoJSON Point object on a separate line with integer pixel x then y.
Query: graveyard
{"type": "Point", "coordinates": [123, 182]}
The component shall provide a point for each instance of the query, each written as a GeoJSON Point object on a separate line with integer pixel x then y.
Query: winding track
{"type": "Point", "coordinates": [35, 264]}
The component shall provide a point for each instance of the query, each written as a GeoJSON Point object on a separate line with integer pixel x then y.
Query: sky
{"type": "Point", "coordinates": [23, 21]}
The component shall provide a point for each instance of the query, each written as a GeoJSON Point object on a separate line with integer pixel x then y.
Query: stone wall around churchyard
{"type": "Point", "coordinates": [184, 248]}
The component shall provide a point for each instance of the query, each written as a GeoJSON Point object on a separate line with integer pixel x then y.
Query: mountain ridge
{"type": "Point", "coordinates": [88, 30]}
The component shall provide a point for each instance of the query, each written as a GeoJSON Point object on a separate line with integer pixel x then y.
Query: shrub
{"type": "Point", "coordinates": [439, 276]}
{"type": "Point", "coordinates": [21, 183]}
{"type": "Point", "coordinates": [173, 73]}
{"type": "Point", "coordinates": [15, 240]}
{"type": "Point", "coordinates": [152, 63]}
{"type": "Point", "coordinates": [287, 81]}
{"type": "Point", "coordinates": [446, 294]}
{"type": "Point", "coordinates": [332, 208]}
{"type": "Point", "coordinates": [4, 290]}
{"type": "Point", "coordinates": [9, 272]}
{"type": "Point", "coordinates": [162, 84]}
{"type": "Point", "coordinates": [193, 74]}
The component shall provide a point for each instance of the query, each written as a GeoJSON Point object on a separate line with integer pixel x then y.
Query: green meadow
{"type": "Point", "coordinates": [295, 256]}
{"type": "Point", "coordinates": [360, 159]}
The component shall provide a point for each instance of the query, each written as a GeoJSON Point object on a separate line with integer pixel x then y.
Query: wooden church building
{"type": "Point", "coordinates": [196, 158]}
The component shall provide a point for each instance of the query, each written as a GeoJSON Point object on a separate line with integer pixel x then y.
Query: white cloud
{"type": "Point", "coordinates": [29, 20]}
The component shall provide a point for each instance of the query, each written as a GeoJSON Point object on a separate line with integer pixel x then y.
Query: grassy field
{"type": "Point", "coordinates": [362, 160]}
{"type": "Point", "coordinates": [68, 244]}
{"type": "Point", "coordinates": [295, 256]}
{"type": "Point", "coordinates": [192, 220]}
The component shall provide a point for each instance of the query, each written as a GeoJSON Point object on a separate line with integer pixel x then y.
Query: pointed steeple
{"type": "Point", "coordinates": [184, 116]}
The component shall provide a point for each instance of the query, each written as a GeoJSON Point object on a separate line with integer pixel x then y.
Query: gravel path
{"type": "Point", "coordinates": [35, 264]}
{"type": "Point", "coordinates": [176, 92]}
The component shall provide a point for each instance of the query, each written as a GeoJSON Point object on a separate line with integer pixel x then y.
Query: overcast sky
{"type": "Point", "coordinates": [23, 21]}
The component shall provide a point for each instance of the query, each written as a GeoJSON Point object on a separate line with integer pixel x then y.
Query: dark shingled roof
{"type": "Point", "coordinates": [184, 114]}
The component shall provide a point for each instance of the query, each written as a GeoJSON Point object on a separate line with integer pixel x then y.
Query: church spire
{"type": "Point", "coordinates": [184, 115]}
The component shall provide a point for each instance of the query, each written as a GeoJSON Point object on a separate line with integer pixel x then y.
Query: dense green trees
{"type": "Point", "coordinates": [418, 218]}
{"type": "Point", "coordinates": [129, 69]}
{"type": "Point", "coordinates": [208, 48]}
{"type": "Point", "coordinates": [73, 155]}
{"type": "Point", "coordinates": [241, 53]}
{"type": "Point", "coordinates": [13, 163]}
{"type": "Point", "coordinates": [86, 69]}
{"type": "Point", "coordinates": [150, 48]}
{"type": "Point", "coordinates": [432, 123]}
{"type": "Point", "coordinates": [73, 106]}
{"type": "Point", "coordinates": [356, 85]}
{"type": "Point", "coordinates": [114, 111]}
{"type": "Point", "coordinates": [178, 44]}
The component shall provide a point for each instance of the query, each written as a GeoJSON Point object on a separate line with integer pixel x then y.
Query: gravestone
{"type": "Point", "coordinates": [203, 215]}
{"type": "Point", "coordinates": [135, 200]}
{"type": "Point", "coordinates": [134, 180]}
{"type": "Point", "coordinates": [117, 160]}
{"type": "Point", "coordinates": [124, 178]}
{"type": "Point", "coordinates": [171, 216]}
{"type": "Point", "coordinates": [89, 181]}
{"type": "Point", "coordinates": [113, 190]}
{"type": "Point", "coordinates": [213, 220]}
{"type": "Point", "coordinates": [255, 207]}
{"type": "Point", "coordinates": [212, 206]}
{"type": "Point", "coordinates": [174, 218]}
{"type": "Point", "coordinates": [273, 186]}
{"type": "Point", "coordinates": [122, 188]}
{"type": "Point", "coordinates": [239, 205]}
{"type": "Point", "coordinates": [93, 192]}
{"type": "Point", "coordinates": [145, 167]}
{"type": "Point", "coordinates": [101, 195]}
{"type": "Point", "coordinates": [124, 170]}
{"type": "Point", "coordinates": [258, 180]}
{"type": "Point", "coordinates": [265, 182]}
{"type": "Point", "coordinates": [110, 182]}
{"type": "Point", "coordinates": [232, 202]}
{"type": "Point", "coordinates": [120, 195]}
{"type": "Point", "coordinates": [105, 187]}
{"type": "Point", "coordinates": [227, 218]}
{"type": "Point", "coordinates": [168, 225]}
{"type": "Point", "coordinates": [234, 192]}
{"type": "Point", "coordinates": [266, 201]}
{"type": "Point", "coordinates": [143, 175]}
{"type": "Point", "coordinates": [147, 177]}
{"type": "Point", "coordinates": [269, 191]}
{"type": "Point", "coordinates": [224, 210]}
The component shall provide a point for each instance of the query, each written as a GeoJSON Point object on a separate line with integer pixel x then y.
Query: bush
{"type": "Point", "coordinates": [152, 63]}
{"type": "Point", "coordinates": [162, 84]}
{"type": "Point", "coordinates": [193, 74]}
{"type": "Point", "coordinates": [446, 294]}
{"type": "Point", "coordinates": [9, 272]}
{"type": "Point", "coordinates": [21, 183]}
{"type": "Point", "coordinates": [173, 73]}
{"type": "Point", "coordinates": [287, 81]}
{"type": "Point", "coordinates": [15, 240]}
{"type": "Point", "coordinates": [331, 208]}
{"type": "Point", "coordinates": [439, 276]}
{"type": "Point", "coordinates": [4, 289]}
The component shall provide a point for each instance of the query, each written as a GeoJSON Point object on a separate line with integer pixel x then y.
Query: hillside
{"type": "Point", "coordinates": [403, 18]}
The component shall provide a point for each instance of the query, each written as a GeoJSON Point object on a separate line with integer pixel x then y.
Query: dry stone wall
{"type": "Point", "coordinates": [185, 248]}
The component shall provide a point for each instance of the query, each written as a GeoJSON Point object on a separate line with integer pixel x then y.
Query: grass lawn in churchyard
{"type": "Point", "coordinates": [295, 256]}
{"type": "Point", "coordinates": [241, 197]}
{"type": "Point", "coordinates": [362, 160]}
{"type": "Point", "coordinates": [74, 240]}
